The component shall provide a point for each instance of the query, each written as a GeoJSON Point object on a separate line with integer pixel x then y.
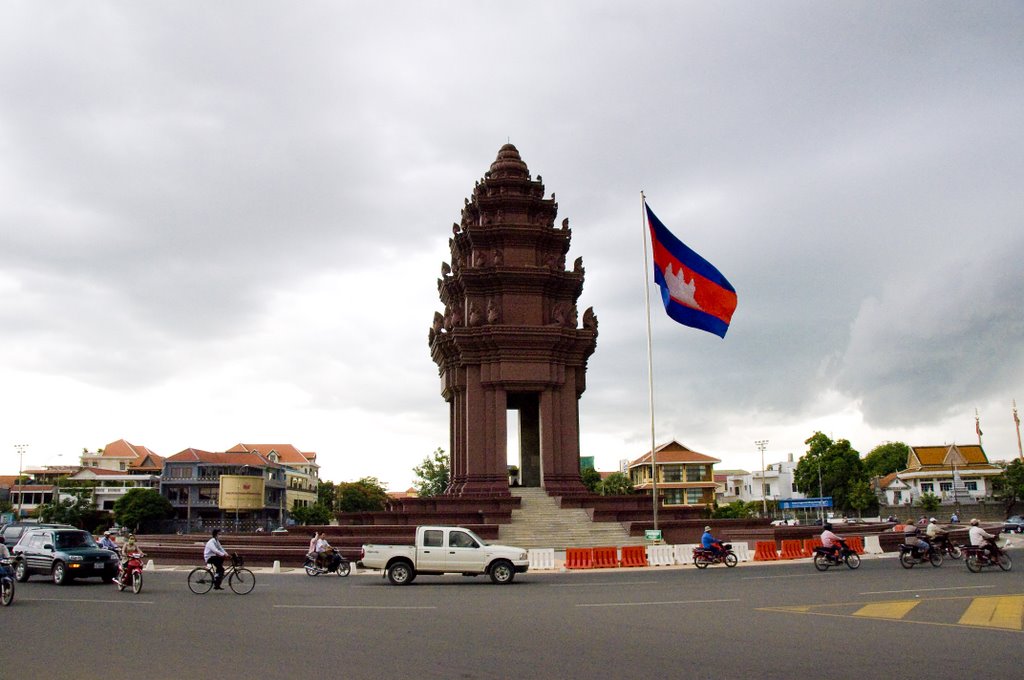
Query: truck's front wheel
{"type": "Point", "coordinates": [401, 573]}
{"type": "Point", "coordinates": [502, 572]}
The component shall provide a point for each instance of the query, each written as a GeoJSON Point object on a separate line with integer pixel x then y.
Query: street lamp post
{"type": "Point", "coordinates": [761, 444]}
{"type": "Point", "coordinates": [821, 508]}
{"type": "Point", "coordinates": [20, 448]}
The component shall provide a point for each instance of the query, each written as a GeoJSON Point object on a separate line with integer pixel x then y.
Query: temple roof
{"type": "Point", "coordinates": [509, 164]}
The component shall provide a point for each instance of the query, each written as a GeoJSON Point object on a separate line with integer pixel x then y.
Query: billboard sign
{"type": "Point", "coordinates": [241, 492]}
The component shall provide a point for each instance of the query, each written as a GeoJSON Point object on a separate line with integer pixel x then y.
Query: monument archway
{"type": "Point", "coordinates": [510, 336]}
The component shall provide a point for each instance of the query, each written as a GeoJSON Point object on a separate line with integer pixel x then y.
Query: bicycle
{"type": "Point", "coordinates": [240, 579]}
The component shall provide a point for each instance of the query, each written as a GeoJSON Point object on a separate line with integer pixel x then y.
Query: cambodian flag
{"type": "Point", "coordinates": [694, 292]}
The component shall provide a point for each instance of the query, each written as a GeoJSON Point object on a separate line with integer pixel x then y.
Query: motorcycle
{"type": "Point", "coordinates": [911, 555]}
{"type": "Point", "coordinates": [336, 564]}
{"type": "Point", "coordinates": [947, 547]}
{"type": "Point", "coordinates": [130, 573]}
{"type": "Point", "coordinates": [6, 582]}
{"type": "Point", "coordinates": [977, 559]}
{"type": "Point", "coordinates": [702, 556]}
{"type": "Point", "coordinates": [826, 557]}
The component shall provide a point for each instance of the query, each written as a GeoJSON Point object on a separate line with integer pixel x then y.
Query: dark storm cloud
{"type": "Point", "coordinates": [180, 183]}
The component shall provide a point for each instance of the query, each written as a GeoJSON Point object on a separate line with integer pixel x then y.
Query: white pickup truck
{"type": "Point", "coordinates": [445, 550]}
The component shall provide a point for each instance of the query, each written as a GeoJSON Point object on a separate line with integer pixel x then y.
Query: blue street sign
{"type": "Point", "coordinates": [806, 503]}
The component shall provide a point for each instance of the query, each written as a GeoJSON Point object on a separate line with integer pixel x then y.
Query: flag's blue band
{"type": "Point", "coordinates": [682, 252]}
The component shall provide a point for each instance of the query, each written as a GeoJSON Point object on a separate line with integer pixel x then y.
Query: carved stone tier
{"type": "Point", "coordinates": [509, 336]}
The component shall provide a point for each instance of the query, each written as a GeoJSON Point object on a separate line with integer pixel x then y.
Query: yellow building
{"type": "Point", "coordinates": [685, 477]}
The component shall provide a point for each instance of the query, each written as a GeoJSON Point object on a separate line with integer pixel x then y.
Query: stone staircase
{"type": "Point", "coordinates": [541, 523]}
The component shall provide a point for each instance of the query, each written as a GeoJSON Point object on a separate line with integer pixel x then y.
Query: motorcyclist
{"type": "Point", "coordinates": [709, 542]}
{"type": "Point", "coordinates": [831, 541]}
{"type": "Point", "coordinates": [981, 538]}
{"type": "Point", "coordinates": [912, 537]}
{"type": "Point", "coordinates": [936, 534]}
{"type": "Point", "coordinates": [325, 554]}
{"type": "Point", "coordinates": [129, 548]}
{"type": "Point", "coordinates": [108, 541]}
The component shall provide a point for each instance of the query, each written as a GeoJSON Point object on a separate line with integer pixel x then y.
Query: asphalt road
{"type": "Point", "coordinates": [754, 621]}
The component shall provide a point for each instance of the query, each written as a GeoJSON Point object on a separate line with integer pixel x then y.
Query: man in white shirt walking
{"type": "Point", "coordinates": [214, 554]}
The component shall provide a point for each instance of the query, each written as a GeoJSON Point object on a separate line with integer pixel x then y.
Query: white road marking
{"type": "Point", "coordinates": [341, 606]}
{"type": "Point", "coordinates": [602, 584]}
{"type": "Point", "coordinates": [72, 599]}
{"type": "Point", "coordinates": [921, 590]}
{"type": "Point", "coordinates": [648, 604]}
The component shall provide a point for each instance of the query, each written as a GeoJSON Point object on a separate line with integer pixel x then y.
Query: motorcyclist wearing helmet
{"type": "Point", "coordinates": [831, 540]}
{"type": "Point", "coordinates": [936, 534]}
{"type": "Point", "coordinates": [912, 537]}
{"type": "Point", "coordinates": [981, 538]}
{"type": "Point", "coordinates": [709, 542]}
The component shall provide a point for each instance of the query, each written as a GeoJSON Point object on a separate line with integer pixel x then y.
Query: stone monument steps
{"type": "Point", "coordinates": [541, 523]}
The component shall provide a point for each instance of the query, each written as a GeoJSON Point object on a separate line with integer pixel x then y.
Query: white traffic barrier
{"type": "Point", "coordinates": [660, 555]}
{"type": "Point", "coordinates": [277, 567]}
{"type": "Point", "coordinates": [149, 566]}
{"type": "Point", "coordinates": [684, 553]}
{"type": "Point", "coordinates": [542, 558]}
{"type": "Point", "coordinates": [742, 550]}
{"type": "Point", "coordinates": [871, 545]}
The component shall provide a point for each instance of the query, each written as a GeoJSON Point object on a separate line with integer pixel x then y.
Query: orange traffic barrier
{"type": "Point", "coordinates": [791, 550]}
{"type": "Point", "coordinates": [579, 558]}
{"type": "Point", "coordinates": [856, 544]}
{"type": "Point", "coordinates": [634, 556]}
{"type": "Point", "coordinates": [809, 545]}
{"type": "Point", "coordinates": [765, 550]}
{"type": "Point", "coordinates": [605, 558]}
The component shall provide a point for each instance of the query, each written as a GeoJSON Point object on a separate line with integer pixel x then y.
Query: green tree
{"type": "Point", "coordinates": [862, 498]}
{"type": "Point", "coordinates": [736, 510]}
{"type": "Point", "coordinates": [6, 506]}
{"type": "Point", "coordinates": [1009, 484]}
{"type": "Point", "coordinates": [141, 505]}
{"type": "Point", "coordinates": [366, 494]}
{"type": "Point", "coordinates": [326, 494]}
{"type": "Point", "coordinates": [311, 514]}
{"type": "Point", "coordinates": [75, 510]}
{"type": "Point", "coordinates": [432, 475]}
{"type": "Point", "coordinates": [886, 458]}
{"type": "Point", "coordinates": [591, 479]}
{"type": "Point", "coordinates": [840, 468]}
{"type": "Point", "coordinates": [929, 502]}
{"type": "Point", "coordinates": [615, 484]}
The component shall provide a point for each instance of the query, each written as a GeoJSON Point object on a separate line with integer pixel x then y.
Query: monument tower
{"type": "Point", "coordinates": [509, 337]}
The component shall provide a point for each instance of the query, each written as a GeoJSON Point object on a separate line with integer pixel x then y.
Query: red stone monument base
{"type": "Point", "coordinates": [564, 485]}
{"type": "Point", "coordinates": [479, 486]}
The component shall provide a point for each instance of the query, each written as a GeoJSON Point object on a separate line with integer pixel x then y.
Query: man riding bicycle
{"type": "Point", "coordinates": [214, 554]}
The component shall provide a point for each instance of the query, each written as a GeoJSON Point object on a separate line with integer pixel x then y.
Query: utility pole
{"type": "Point", "coordinates": [20, 482]}
{"type": "Point", "coordinates": [761, 444]}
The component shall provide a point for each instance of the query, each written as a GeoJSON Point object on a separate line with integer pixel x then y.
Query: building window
{"type": "Point", "coordinates": [694, 496]}
{"type": "Point", "coordinates": [927, 487]}
{"type": "Point", "coordinates": [766, 489]}
{"type": "Point", "coordinates": [971, 486]}
{"type": "Point", "coordinates": [945, 486]}
{"type": "Point", "coordinates": [696, 473]}
{"type": "Point", "coordinates": [672, 473]}
{"type": "Point", "coordinates": [672, 497]}
{"type": "Point", "coordinates": [897, 496]}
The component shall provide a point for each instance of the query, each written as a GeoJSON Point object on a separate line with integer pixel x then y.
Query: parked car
{"type": "Point", "coordinates": [1014, 525]}
{"type": "Point", "coordinates": [62, 554]}
{"type": "Point", "coordinates": [12, 532]}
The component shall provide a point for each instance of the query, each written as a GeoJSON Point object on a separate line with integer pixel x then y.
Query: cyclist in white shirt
{"type": "Point", "coordinates": [214, 554]}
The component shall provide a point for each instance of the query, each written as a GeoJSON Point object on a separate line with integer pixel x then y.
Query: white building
{"type": "Point", "coordinates": [776, 483]}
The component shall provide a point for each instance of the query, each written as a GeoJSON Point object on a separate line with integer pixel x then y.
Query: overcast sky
{"type": "Point", "coordinates": [223, 222]}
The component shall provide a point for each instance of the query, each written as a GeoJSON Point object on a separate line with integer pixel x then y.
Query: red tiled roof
{"type": "Point", "coordinates": [674, 452]}
{"type": "Point", "coordinates": [286, 452]}
{"type": "Point", "coordinates": [122, 449]}
{"type": "Point", "coordinates": [226, 458]}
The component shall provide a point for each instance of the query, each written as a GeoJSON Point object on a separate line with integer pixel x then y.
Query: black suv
{"type": "Point", "coordinates": [12, 532]}
{"type": "Point", "coordinates": [62, 554]}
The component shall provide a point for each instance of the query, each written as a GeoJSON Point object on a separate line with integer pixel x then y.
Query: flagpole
{"type": "Point", "coordinates": [1016, 426]}
{"type": "Point", "coordinates": [650, 361]}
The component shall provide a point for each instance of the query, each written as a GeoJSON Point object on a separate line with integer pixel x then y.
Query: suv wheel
{"type": "Point", "coordinates": [60, 573]}
{"type": "Point", "coordinates": [21, 571]}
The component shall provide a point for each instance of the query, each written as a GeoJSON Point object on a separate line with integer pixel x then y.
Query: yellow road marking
{"type": "Point", "coordinates": [896, 609]}
{"type": "Point", "coordinates": [995, 612]}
